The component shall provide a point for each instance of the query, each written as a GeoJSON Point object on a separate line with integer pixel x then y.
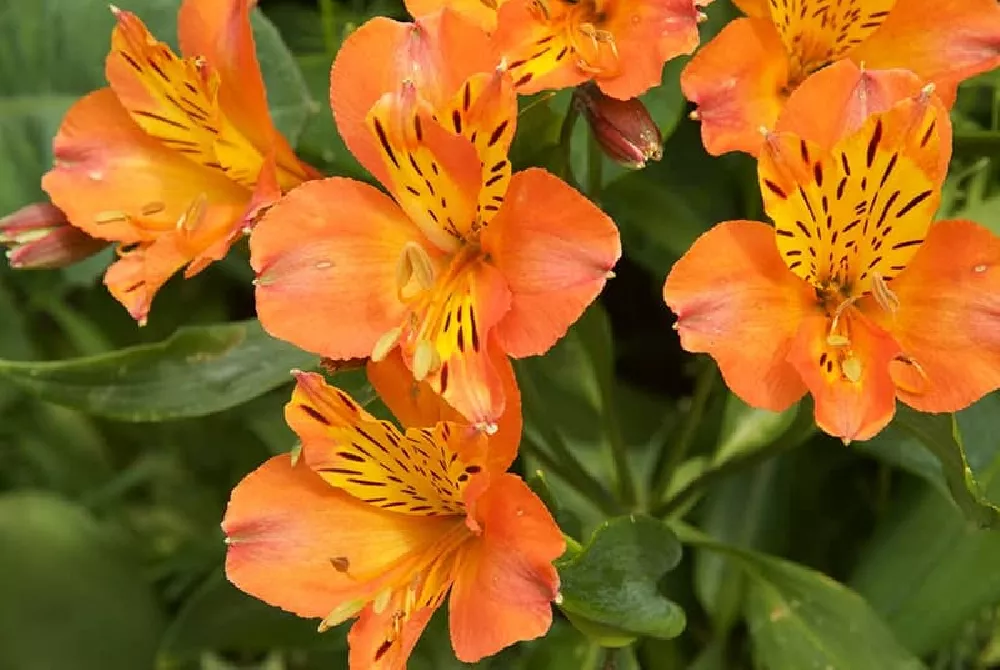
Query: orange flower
{"type": "Point", "coordinates": [740, 79]}
{"type": "Point", "coordinates": [462, 261]}
{"type": "Point", "coordinates": [620, 44]}
{"type": "Point", "coordinates": [853, 295]}
{"type": "Point", "coordinates": [380, 524]}
{"type": "Point", "coordinates": [177, 156]}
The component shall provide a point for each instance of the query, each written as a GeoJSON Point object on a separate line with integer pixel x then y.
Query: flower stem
{"type": "Point", "coordinates": [571, 472]}
{"type": "Point", "coordinates": [669, 458]}
{"type": "Point", "coordinates": [619, 450]}
{"type": "Point", "coordinates": [595, 163]}
{"type": "Point", "coordinates": [566, 141]}
{"type": "Point", "coordinates": [328, 25]}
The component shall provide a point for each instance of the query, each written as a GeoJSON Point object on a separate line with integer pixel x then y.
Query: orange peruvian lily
{"type": "Point", "coordinates": [620, 44]}
{"type": "Point", "coordinates": [463, 260]}
{"type": "Point", "coordinates": [853, 295]}
{"type": "Point", "coordinates": [380, 524]}
{"type": "Point", "coordinates": [178, 156]}
{"type": "Point", "coordinates": [741, 79]}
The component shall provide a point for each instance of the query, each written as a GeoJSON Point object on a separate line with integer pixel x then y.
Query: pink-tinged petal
{"type": "Point", "coordinates": [736, 300]}
{"type": "Point", "coordinates": [556, 250]}
{"type": "Point", "coordinates": [326, 259]}
{"type": "Point", "coordinates": [505, 581]}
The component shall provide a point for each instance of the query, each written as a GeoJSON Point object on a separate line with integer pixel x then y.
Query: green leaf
{"type": "Point", "coordinates": [612, 586]}
{"type": "Point", "coordinates": [72, 598]}
{"type": "Point", "coordinates": [940, 434]}
{"type": "Point", "coordinates": [197, 371]}
{"type": "Point", "coordinates": [221, 617]}
{"type": "Point", "coordinates": [799, 618]}
{"type": "Point", "coordinates": [927, 569]}
{"type": "Point", "coordinates": [746, 428]}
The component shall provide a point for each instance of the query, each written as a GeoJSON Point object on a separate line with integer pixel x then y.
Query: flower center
{"type": "Point", "coordinates": [585, 27]}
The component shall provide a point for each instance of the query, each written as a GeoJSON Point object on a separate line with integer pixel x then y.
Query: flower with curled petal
{"type": "Point", "coordinates": [853, 295]}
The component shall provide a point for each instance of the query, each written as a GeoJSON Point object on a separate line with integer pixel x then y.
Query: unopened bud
{"type": "Point", "coordinates": [623, 128]}
{"type": "Point", "coordinates": [39, 236]}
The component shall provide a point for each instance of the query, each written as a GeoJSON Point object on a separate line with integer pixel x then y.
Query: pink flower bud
{"type": "Point", "coordinates": [623, 128]}
{"type": "Point", "coordinates": [39, 236]}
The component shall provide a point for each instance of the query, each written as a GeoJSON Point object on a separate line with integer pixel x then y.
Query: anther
{"type": "Point", "coordinates": [851, 367]}
{"type": "Point", "coordinates": [425, 360]}
{"type": "Point", "coordinates": [381, 601]}
{"type": "Point", "coordinates": [386, 343]}
{"type": "Point", "coordinates": [340, 614]}
{"type": "Point", "coordinates": [414, 271]}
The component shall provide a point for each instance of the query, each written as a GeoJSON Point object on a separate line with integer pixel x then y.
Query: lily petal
{"type": "Point", "coordinates": [948, 320]}
{"type": "Point", "coordinates": [326, 258]}
{"type": "Point", "coordinates": [505, 583]}
{"type": "Point", "coordinates": [942, 41]}
{"type": "Point", "coordinates": [556, 250]}
{"type": "Point", "coordinates": [736, 97]}
{"type": "Point", "coordinates": [736, 301]}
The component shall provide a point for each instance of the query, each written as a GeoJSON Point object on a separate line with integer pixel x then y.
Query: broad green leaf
{"type": "Point", "coordinates": [799, 618]}
{"type": "Point", "coordinates": [940, 434]}
{"type": "Point", "coordinates": [218, 616]}
{"type": "Point", "coordinates": [612, 586]}
{"type": "Point", "coordinates": [746, 428]}
{"type": "Point", "coordinates": [927, 569]}
{"type": "Point", "coordinates": [52, 52]}
{"type": "Point", "coordinates": [72, 598]}
{"type": "Point", "coordinates": [198, 371]}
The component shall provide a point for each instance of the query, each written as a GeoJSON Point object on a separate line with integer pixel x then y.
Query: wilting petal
{"type": "Point", "coordinates": [300, 544]}
{"type": "Point", "coordinates": [505, 581]}
{"type": "Point", "coordinates": [434, 175]}
{"type": "Point", "coordinates": [854, 393]}
{"type": "Point", "coordinates": [736, 97]}
{"type": "Point", "coordinates": [942, 41]}
{"type": "Point", "coordinates": [417, 404]}
{"type": "Point", "coordinates": [556, 250]}
{"type": "Point", "coordinates": [117, 183]}
{"type": "Point", "coordinates": [736, 301]}
{"type": "Point", "coordinates": [948, 320]}
{"type": "Point", "coordinates": [437, 54]}
{"type": "Point", "coordinates": [860, 211]}
{"type": "Point", "coordinates": [326, 258]}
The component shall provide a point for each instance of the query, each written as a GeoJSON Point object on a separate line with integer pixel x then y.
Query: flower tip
{"type": "Point", "coordinates": [488, 427]}
{"type": "Point", "coordinates": [115, 10]}
{"type": "Point", "coordinates": [701, 17]}
{"type": "Point", "coordinates": [846, 441]}
{"type": "Point", "coordinates": [695, 115]}
{"type": "Point", "coordinates": [558, 600]}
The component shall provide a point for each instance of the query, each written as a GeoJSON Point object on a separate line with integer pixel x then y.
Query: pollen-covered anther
{"type": "Point", "coordinates": [386, 343]}
{"type": "Point", "coordinates": [414, 271]}
{"type": "Point", "coordinates": [340, 614]}
{"type": "Point", "coordinates": [852, 369]}
{"type": "Point", "coordinates": [425, 360]}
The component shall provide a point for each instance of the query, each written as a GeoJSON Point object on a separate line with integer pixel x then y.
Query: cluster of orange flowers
{"type": "Point", "coordinates": [460, 264]}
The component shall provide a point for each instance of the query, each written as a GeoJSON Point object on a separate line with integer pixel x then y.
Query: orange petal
{"type": "Point", "coordinates": [556, 250]}
{"type": "Point", "coordinates": [376, 645]}
{"type": "Point", "coordinates": [135, 278]}
{"type": "Point", "coordinates": [817, 33]}
{"type": "Point", "coordinates": [505, 583]}
{"type": "Point", "coordinates": [300, 544]}
{"type": "Point", "coordinates": [943, 41]}
{"type": "Point", "coordinates": [948, 321]}
{"type": "Point", "coordinates": [854, 393]}
{"type": "Point", "coordinates": [736, 97]}
{"type": "Point", "coordinates": [480, 13]}
{"type": "Point", "coordinates": [434, 175]}
{"type": "Point", "coordinates": [416, 404]}
{"type": "Point", "coordinates": [756, 8]}
{"type": "Point", "coordinates": [736, 301]}
{"type": "Point", "coordinates": [326, 274]}
{"type": "Point", "coordinates": [860, 211]}
{"type": "Point", "coordinates": [837, 100]}
{"type": "Point", "coordinates": [437, 53]}
{"type": "Point", "coordinates": [536, 49]}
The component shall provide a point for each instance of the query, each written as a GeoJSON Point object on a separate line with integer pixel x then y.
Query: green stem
{"type": "Point", "coordinates": [624, 476]}
{"type": "Point", "coordinates": [566, 140]}
{"type": "Point", "coordinates": [977, 141]}
{"type": "Point", "coordinates": [668, 459]}
{"type": "Point", "coordinates": [595, 164]}
{"type": "Point", "coordinates": [571, 472]}
{"type": "Point", "coordinates": [802, 428]}
{"type": "Point", "coordinates": [329, 25]}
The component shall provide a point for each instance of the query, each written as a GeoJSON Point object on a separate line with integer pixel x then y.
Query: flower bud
{"type": "Point", "coordinates": [623, 128]}
{"type": "Point", "coordinates": [39, 236]}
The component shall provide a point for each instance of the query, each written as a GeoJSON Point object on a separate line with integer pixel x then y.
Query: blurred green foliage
{"type": "Point", "coordinates": [119, 447]}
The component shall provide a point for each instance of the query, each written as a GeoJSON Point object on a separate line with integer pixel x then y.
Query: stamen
{"type": "Point", "coordinates": [883, 295]}
{"type": "Point", "coordinates": [851, 367]}
{"type": "Point", "coordinates": [425, 360]}
{"type": "Point", "coordinates": [340, 614]}
{"type": "Point", "coordinates": [837, 340]}
{"type": "Point", "coordinates": [194, 214]}
{"type": "Point", "coordinates": [386, 343]}
{"type": "Point", "coordinates": [414, 271]}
